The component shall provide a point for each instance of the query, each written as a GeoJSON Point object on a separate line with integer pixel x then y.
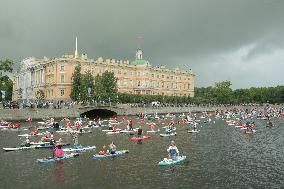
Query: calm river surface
{"type": "Point", "coordinates": [219, 156]}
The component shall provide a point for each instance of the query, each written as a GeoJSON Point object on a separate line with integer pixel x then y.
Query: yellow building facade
{"type": "Point", "coordinates": [54, 77]}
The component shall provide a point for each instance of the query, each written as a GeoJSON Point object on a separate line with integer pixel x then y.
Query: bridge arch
{"type": "Point", "coordinates": [98, 112]}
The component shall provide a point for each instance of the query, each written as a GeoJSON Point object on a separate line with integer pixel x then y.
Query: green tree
{"type": "Point", "coordinates": [109, 81]}
{"type": "Point", "coordinates": [223, 92]}
{"type": "Point", "coordinates": [86, 86]}
{"type": "Point", "coordinates": [40, 95]}
{"type": "Point", "coordinates": [6, 84]}
{"type": "Point", "coordinates": [76, 78]}
{"type": "Point", "coordinates": [106, 86]}
{"type": "Point", "coordinates": [6, 65]}
{"type": "Point", "coordinates": [99, 88]}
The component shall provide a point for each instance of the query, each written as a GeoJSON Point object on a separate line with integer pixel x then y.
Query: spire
{"type": "Point", "coordinates": [76, 51]}
{"type": "Point", "coordinates": [138, 54]}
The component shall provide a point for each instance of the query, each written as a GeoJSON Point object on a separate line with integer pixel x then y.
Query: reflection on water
{"type": "Point", "coordinates": [219, 156]}
{"type": "Point", "coordinates": [59, 174]}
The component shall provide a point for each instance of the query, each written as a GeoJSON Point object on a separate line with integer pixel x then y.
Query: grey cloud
{"type": "Point", "coordinates": [181, 33]}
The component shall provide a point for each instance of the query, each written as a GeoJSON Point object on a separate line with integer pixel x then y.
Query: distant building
{"type": "Point", "coordinates": [54, 76]}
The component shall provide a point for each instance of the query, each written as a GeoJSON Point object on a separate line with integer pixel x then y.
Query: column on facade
{"type": "Point", "coordinates": [43, 76]}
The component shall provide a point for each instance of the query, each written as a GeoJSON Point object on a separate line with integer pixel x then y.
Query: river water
{"type": "Point", "coordinates": [219, 156]}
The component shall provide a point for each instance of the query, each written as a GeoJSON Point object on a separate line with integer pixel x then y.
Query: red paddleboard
{"type": "Point", "coordinates": [141, 138]}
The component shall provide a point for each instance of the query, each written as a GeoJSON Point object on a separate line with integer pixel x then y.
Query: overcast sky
{"type": "Point", "coordinates": [237, 40]}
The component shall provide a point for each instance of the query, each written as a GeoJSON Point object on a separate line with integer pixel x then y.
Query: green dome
{"type": "Point", "coordinates": [139, 63]}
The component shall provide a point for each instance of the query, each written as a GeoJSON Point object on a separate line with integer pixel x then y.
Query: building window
{"type": "Point", "coordinates": [62, 78]}
{"type": "Point", "coordinates": [62, 92]}
{"type": "Point", "coordinates": [51, 92]}
{"type": "Point", "coordinates": [152, 75]}
{"type": "Point", "coordinates": [62, 68]}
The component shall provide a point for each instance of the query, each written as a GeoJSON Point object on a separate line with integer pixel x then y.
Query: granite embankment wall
{"type": "Point", "coordinates": [23, 114]}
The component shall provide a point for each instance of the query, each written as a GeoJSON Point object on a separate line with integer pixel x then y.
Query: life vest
{"type": "Point", "coordinates": [173, 152]}
{"type": "Point", "coordinates": [59, 152]}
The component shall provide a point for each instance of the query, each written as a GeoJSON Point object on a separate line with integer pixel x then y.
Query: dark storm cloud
{"type": "Point", "coordinates": [219, 39]}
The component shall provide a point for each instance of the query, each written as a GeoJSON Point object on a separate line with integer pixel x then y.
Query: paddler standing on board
{"type": "Point", "coordinates": [194, 126]}
{"type": "Point", "coordinates": [130, 124]}
{"type": "Point", "coordinates": [139, 132]}
{"type": "Point", "coordinates": [30, 121]}
{"type": "Point", "coordinates": [173, 150]}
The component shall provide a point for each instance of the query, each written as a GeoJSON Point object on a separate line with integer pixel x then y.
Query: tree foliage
{"type": "Point", "coordinates": [86, 86]}
{"type": "Point", "coordinates": [6, 65]}
{"type": "Point", "coordinates": [221, 93]}
{"type": "Point", "coordinates": [6, 84]}
{"type": "Point", "coordinates": [40, 95]}
{"type": "Point", "coordinates": [76, 83]}
{"type": "Point", "coordinates": [106, 86]}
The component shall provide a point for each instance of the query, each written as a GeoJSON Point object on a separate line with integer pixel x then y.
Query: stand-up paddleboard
{"type": "Point", "coordinates": [152, 131]}
{"type": "Point", "coordinates": [55, 159]}
{"type": "Point", "coordinates": [112, 132]}
{"type": "Point", "coordinates": [127, 131]}
{"type": "Point", "coordinates": [30, 135]}
{"type": "Point", "coordinates": [50, 146]}
{"type": "Point", "coordinates": [167, 162]}
{"type": "Point", "coordinates": [80, 149]}
{"type": "Point", "coordinates": [10, 129]}
{"type": "Point", "coordinates": [117, 153]}
{"type": "Point", "coordinates": [193, 131]}
{"type": "Point", "coordinates": [139, 138]}
{"type": "Point", "coordinates": [168, 135]}
{"type": "Point", "coordinates": [18, 148]}
{"type": "Point", "coordinates": [45, 145]}
{"type": "Point", "coordinates": [250, 132]}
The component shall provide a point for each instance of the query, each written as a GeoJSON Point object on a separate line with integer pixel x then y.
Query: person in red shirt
{"type": "Point", "coordinates": [77, 125]}
{"type": "Point", "coordinates": [130, 125]}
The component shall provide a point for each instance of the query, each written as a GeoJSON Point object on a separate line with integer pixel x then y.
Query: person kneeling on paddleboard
{"type": "Point", "coordinates": [173, 150]}
{"type": "Point", "coordinates": [112, 148]}
{"type": "Point", "coordinates": [58, 150]}
{"type": "Point", "coordinates": [27, 142]}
